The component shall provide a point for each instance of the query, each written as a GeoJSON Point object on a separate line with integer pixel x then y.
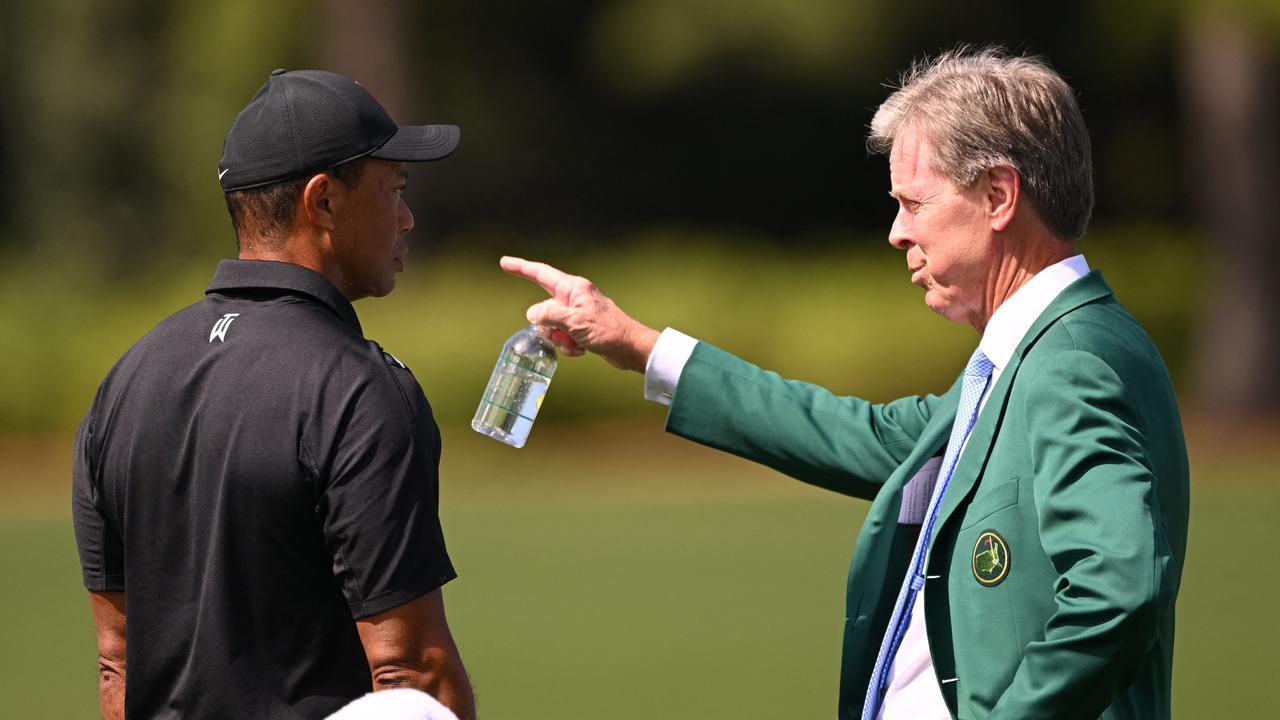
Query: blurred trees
{"type": "Point", "coordinates": [79, 122]}
{"type": "Point", "coordinates": [579, 116]}
{"type": "Point", "coordinates": [1232, 81]}
{"type": "Point", "coordinates": [113, 123]}
{"type": "Point", "coordinates": [368, 41]}
{"type": "Point", "coordinates": [587, 121]}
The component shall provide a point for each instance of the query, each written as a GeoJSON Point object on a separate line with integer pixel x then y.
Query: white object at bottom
{"type": "Point", "coordinates": [394, 704]}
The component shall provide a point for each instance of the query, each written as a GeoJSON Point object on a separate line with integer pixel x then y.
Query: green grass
{"type": "Point", "coordinates": [49, 663]}
{"type": "Point", "coordinates": [617, 572]}
{"type": "Point", "coordinates": [652, 610]}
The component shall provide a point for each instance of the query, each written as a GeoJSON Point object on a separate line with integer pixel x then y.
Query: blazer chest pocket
{"type": "Point", "coordinates": [986, 504]}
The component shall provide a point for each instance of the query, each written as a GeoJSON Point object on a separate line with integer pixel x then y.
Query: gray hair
{"type": "Point", "coordinates": [983, 108]}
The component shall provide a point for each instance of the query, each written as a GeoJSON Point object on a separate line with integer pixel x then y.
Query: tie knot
{"type": "Point", "coordinates": [979, 365]}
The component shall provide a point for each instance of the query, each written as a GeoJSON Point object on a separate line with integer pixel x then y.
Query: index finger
{"type": "Point", "coordinates": [555, 282]}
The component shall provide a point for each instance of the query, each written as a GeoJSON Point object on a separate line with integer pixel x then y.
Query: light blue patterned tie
{"type": "Point", "coordinates": [976, 375]}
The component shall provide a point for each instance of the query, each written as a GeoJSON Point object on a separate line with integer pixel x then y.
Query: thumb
{"type": "Point", "coordinates": [549, 312]}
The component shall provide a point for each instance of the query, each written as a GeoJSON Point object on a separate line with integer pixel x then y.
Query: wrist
{"type": "Point", "coordinates": [643, 340]}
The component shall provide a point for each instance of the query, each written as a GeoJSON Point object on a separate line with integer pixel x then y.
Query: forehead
{"type": "Point", "coordinates": [911, 159]}
{"type": "Point", "coordinates": [387, 170]}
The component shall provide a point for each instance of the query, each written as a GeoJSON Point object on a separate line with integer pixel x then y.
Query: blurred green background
{"type": "Point", "coordinates": [703, 162]}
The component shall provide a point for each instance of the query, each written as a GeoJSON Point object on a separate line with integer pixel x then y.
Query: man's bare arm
{"type": "Point", "coordinates": [410, 646]}
{"type": "Point", "coordinates": [109, 618]}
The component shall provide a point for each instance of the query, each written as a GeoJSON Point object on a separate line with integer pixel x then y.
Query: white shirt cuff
{"type": "Point", "coordinates": [666, 363]}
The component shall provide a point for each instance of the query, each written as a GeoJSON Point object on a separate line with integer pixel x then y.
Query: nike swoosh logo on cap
{"type": "Point", "coordinates": [224, 172]}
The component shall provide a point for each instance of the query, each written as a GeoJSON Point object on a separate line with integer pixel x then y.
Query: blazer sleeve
{"type": "Point", "coordinates": [843, 444]}
{"type": "Point", "coordinates": [1099, 523]}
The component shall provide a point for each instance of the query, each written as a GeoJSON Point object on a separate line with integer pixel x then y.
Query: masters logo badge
{"type": "Point", "coordinates": [990, 558]}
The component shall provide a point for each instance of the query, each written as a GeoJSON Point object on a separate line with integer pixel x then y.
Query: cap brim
{"type": "Point", "coordinates": [417, 143]}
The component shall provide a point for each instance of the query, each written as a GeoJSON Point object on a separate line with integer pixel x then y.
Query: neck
{"type": "Point", "coordinates": [1021, 258]}
{"type": "Point", "coordinates": [299, 249]}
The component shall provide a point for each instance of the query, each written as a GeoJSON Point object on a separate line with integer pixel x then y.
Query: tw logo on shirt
{"type": "Point", "coordinates": [220, 327]}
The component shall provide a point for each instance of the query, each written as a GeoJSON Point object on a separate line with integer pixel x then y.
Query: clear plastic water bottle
{"type": "Point", "coordinates": [516, 389]}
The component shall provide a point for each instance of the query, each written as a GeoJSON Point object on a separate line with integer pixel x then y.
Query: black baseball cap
{"type": "Point", "coordinates": [307, 121]}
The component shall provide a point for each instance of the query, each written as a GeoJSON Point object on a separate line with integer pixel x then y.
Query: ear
{"type": "Point", "coordinates": [318, 201]}
{"type": "Point", "coordinates": [1004, 190]}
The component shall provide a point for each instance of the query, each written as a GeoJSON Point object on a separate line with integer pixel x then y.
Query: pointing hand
{"type": "Point", "coordinates": [582, 318]}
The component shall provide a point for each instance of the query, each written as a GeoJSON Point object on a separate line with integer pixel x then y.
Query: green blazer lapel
{"type": "Point", "coordinates": [969, 469]}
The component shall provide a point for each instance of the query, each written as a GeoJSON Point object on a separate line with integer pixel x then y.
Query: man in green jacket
{"type": "Point", "coordinates": [1025, 542]}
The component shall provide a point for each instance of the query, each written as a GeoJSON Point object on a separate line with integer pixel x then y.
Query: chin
{"type": "Point", "coordinates": [934, 303]}
{"type": "Point", "coordinates": [941, 306]}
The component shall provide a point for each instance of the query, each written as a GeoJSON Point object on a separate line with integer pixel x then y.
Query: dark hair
{"type": "Point", "coordinates": [264, 215]}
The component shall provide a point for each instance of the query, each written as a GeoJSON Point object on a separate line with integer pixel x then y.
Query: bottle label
{"type": "Point", "coordinates": [533, 401]}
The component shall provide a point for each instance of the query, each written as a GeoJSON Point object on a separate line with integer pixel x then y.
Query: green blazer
{"type": "Point", "coordinates": [1060, 542]}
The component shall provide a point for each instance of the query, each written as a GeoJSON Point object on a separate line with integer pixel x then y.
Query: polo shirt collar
{"type": "Point", "coordinates": [270, 274]}
{"type": "Point", "coordinates": [1015, 316]}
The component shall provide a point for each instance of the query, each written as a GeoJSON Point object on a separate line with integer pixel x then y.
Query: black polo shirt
{"type": "Point", "coordinates": [254, 474]}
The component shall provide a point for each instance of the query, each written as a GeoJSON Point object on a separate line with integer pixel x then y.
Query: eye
{"type": "Point", "coordinates": [910, 205]}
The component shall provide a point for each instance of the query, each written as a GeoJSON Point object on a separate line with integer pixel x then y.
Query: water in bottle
{"type": "Point", "coordinates": [516, 389]}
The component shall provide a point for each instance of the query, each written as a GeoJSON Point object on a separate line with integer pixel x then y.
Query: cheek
{"type": "Point", "coordinates": [951, 246]}
{"type": "Point", "coordinates": [946, 263]}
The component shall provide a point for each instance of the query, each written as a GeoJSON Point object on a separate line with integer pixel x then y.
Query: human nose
{"type": "Point", "coordinates": [406, 217]}
{"type": "Point", "coordinates": [899, 235]}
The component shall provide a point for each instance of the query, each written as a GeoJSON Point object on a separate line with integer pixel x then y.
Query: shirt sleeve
{"type": "Point", "coordinates": [97, 541]}
{"type": "Point", "coordinates": [380, 506]}
{"type": "Point", "coordinates": [666, 363]}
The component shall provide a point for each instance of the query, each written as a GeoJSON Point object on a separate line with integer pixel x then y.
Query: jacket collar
{"type": "Point", "coordinates": [1015, 316]}
{"type": "Point", "coordinates": [1087, 289]}
{"type": "Point", "coordinates": [270, 274]}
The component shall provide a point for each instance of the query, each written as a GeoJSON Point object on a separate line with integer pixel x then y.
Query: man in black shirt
{"type": "Point", "coordinates": [255, 487]}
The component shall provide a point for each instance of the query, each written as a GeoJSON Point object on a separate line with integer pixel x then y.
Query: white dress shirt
{"type": "Point", "coordinates": [914, 691]}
